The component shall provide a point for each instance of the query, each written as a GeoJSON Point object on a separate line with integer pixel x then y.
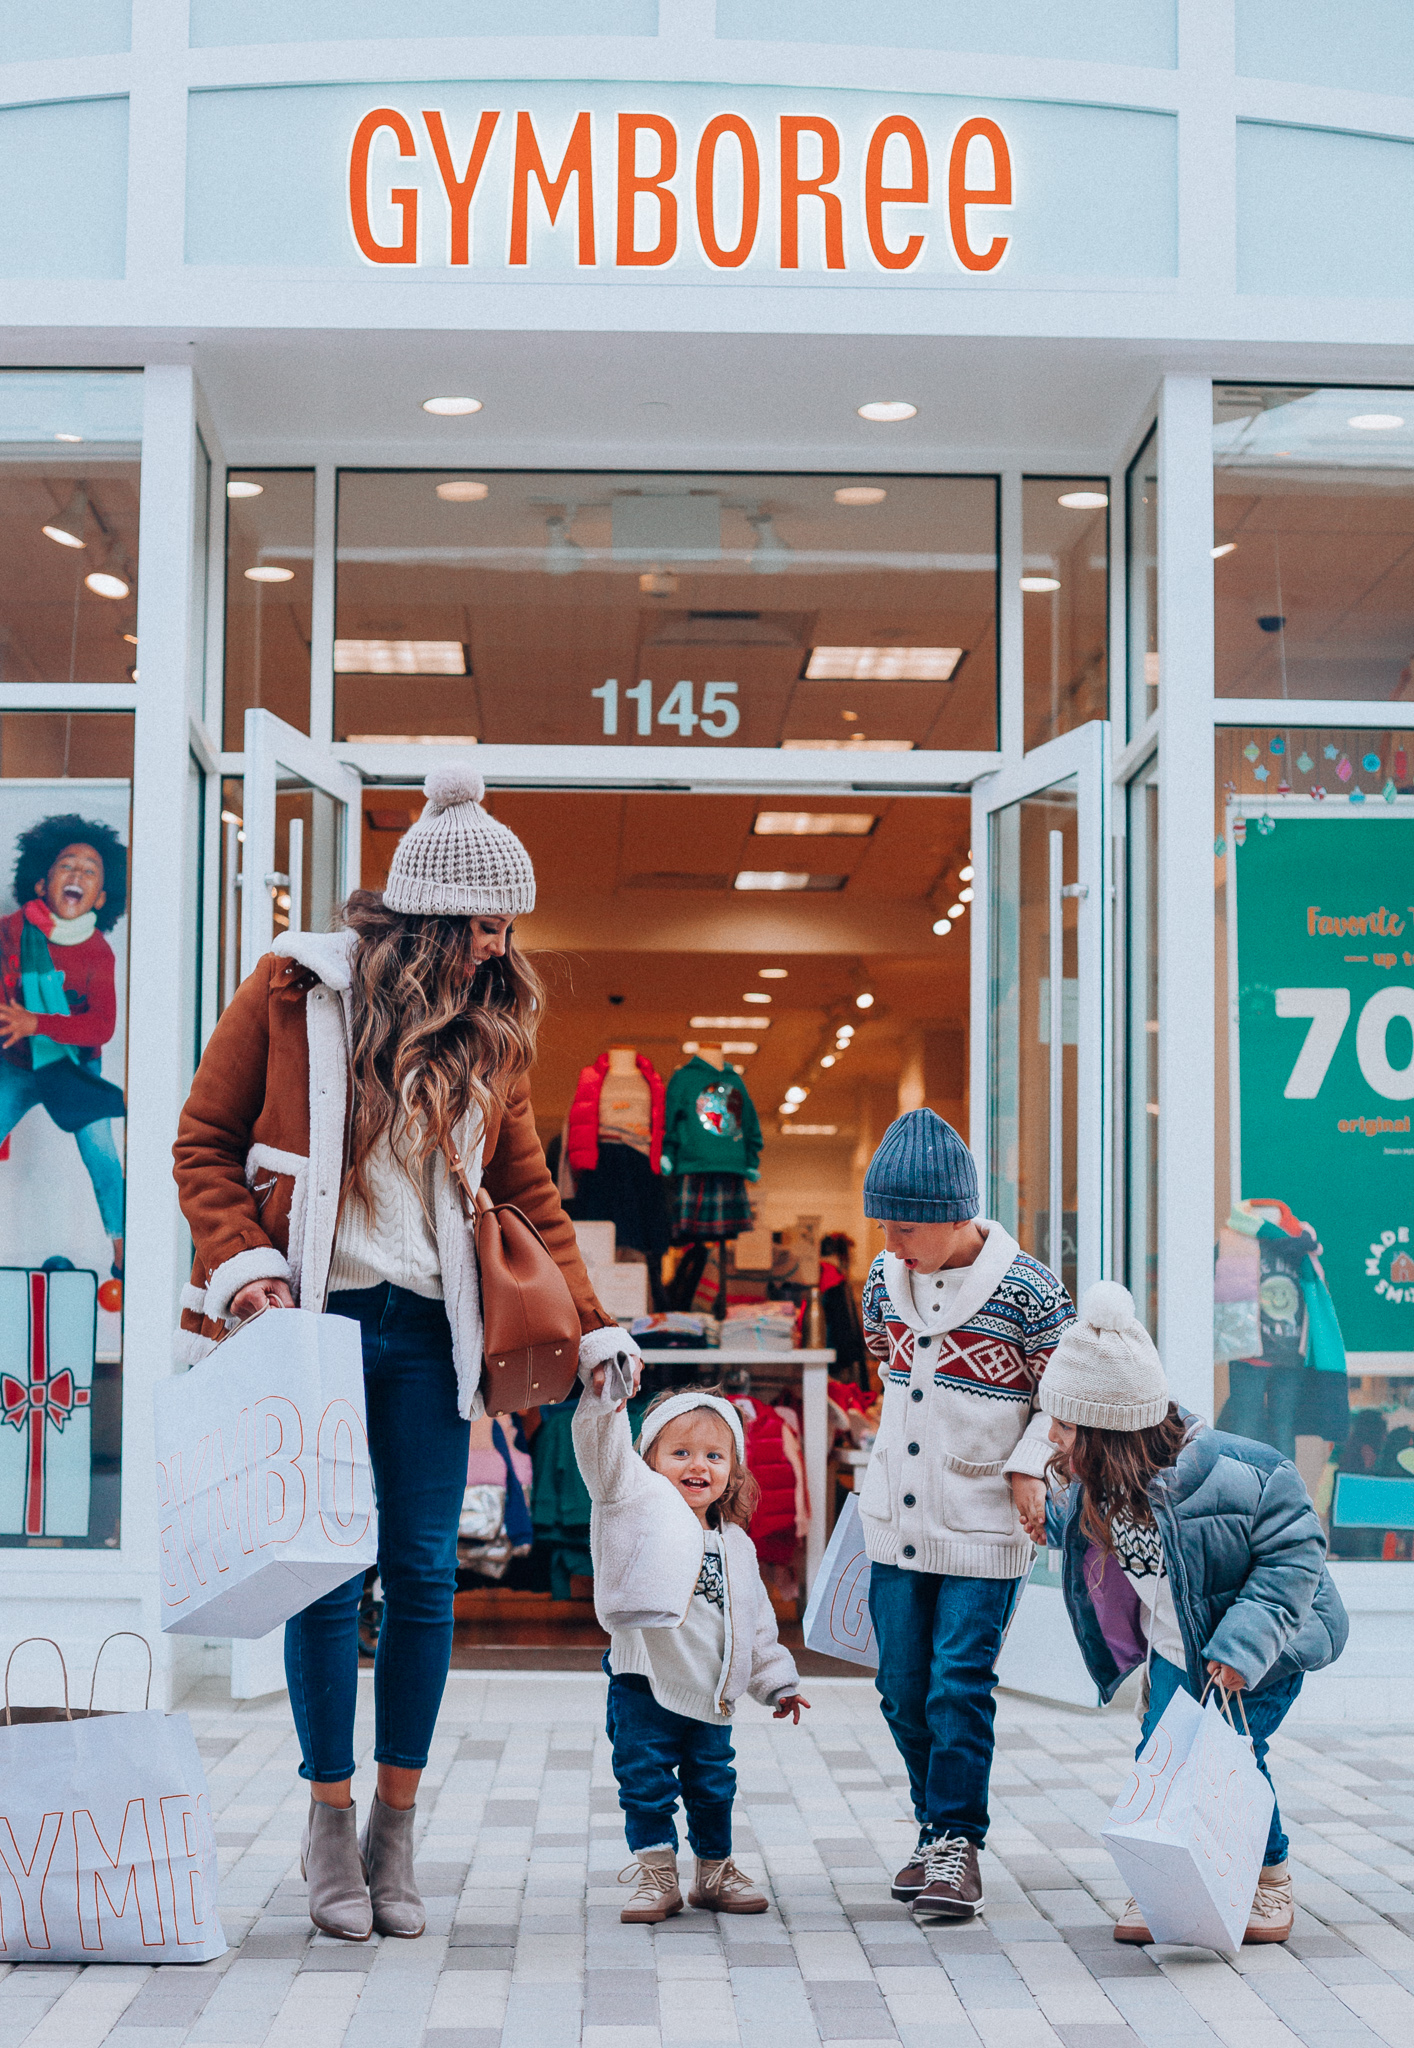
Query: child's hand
{"type": "Point", "coordinates": [789, 1706]}
{"type": "Point", "coordinates": [16, 1022]}
{"type": "Point", "coordinates": [1030, 1498]}
{"type": "Point", "coordinates": [1227, 1678]}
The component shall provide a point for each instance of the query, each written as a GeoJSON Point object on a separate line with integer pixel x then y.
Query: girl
{"type": "Point", "coordinates": [313, 1165]}
{"type": "Point", "coordinates": [677, 1586]}
{"type": "Point", "coordinates": [1197, 1553]}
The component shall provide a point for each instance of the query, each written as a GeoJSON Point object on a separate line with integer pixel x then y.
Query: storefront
{"type": "Point", "coordinates": [904, 525]}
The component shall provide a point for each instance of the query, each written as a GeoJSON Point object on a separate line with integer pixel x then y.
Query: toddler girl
{"type": "Point", "coordinates": [677, 1586]}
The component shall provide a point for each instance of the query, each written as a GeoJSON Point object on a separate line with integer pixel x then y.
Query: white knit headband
{"type": "Point", "coordinates": [683, 1404]}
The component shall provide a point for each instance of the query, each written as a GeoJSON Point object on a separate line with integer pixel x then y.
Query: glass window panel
{"type": "Point", "coordinates": [1142, 492]}
{"type": "Point", "coordinates": [69, 546]}
{"type": "Point", "coordinates": [1020, 1109]}
{"type": "Point", "coordinates": [1313, 542]}
{"type": "Point", "coordinates": [832, 613]}
{"type": "Point", "coordinates": [1314, 836]}
{"type": "Point", "coordinates": [1142, 1066]}
{"type": "Point", "coordinates": [269, 564]}
{"type": "Point", "coordinates": [1065, 602]}
{"type": "Point", "coordinates": [65, 809]}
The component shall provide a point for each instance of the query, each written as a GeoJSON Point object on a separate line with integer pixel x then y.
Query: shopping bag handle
{"type": "Point", "coordinates": [93, 1680]}
{"type": "Point", "coordinates": [68, 1712]}
{"type": "Point", "coordinates": [1225, 1705]}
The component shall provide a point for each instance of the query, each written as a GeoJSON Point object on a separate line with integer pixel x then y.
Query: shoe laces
{"type": "Point", "coordinates": [725, 1877]}
{"type": "Point", "coordinates": [652, 1879]}
{"type": "Point", "coordinates": [945, 1860]}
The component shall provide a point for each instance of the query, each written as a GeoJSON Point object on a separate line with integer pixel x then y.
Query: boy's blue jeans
{"type": "Point", "coordinates": [418, 1446]}
{"type": "Point", "coordinates": [659, 1756]}
{"type": "Point", "coordinates": [939, 1639]}
{"type": "Point", "coordinates": [1265, 1711]}
{"type": "Point", "coordinates": [19, 1094]}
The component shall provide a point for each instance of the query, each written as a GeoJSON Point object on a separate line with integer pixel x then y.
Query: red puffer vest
{"type": "Point", "coordinates": [583, 1142]}
{"type": "Point", "coordinates": [772, 1470]}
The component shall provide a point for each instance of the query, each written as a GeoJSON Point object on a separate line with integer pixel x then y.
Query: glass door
{"type": "Point", "coordinates": [302, 837]}
{"type": "Point", "coordinates": [1040, 1000]}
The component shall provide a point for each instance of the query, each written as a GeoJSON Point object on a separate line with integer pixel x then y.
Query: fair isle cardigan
{"type": "Point", "coordinates": [959, 1412]}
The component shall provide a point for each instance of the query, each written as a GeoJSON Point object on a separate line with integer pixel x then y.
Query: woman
{"type": "Point", "coordinates": [1195, 1553]}
{"type": "Point", "coordinates": [312, 1160]}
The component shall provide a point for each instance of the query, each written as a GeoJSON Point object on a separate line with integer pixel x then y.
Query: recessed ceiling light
{"type": "Point", "coordinates": [399, 658]}
{"type": "Point", "coordinates": [864, 1002]}
{"type": "Point", "coordinates": [268, 572]}
{"type": "Point", "coordinates": [451, 408]}
{"type": "Point", "coordinates": [886, 409]}
{"type": "Point", "coordinates": [881, 664]}
{"type": "Point", "coordinates": [828, 1060]}
{"type": "Point", "coordinates": [1040, 583]}
{"type": "Point", "coordinates": [773, 973]}
{"type": "Point", "coordinates": [788, 1109]}
{"type": "Point", "coordinates": [1227, 547]}
{"type": "Point", "coordinates": [63, 536]}
{"type": "Point", "coordinates": [729, 1023]}
{"type": "Point", "coordinates": [814, 825]}
{"type": "Point", "coordinates": [796, 1094]}
{"type": "Point", "coordinates": [957, 910]}
{"type": "Point", "coordinates": [855, 745]}
{"type": "Point", "coordinates": [131, 639]}
{"type": "Point", "coordinates": [844, 1031]}
{"type": "Point", "coordinates": [1083, 501]}
{"type": "Point", "coordinates": [756, 995]}
{"type": "Point", "coordinates": [860, 494]}
{"type": "Point", "coordinates": [779, 878]}
{"type": "Point", "coordinates": [1376, 422]}
{"type": "Point", "coordinates": [241, 487]}
{"type": "Point", "coordinates": [943, 927]}
{"type": "Point", "coordinates": [463, 490]}
{"type": "Point", "coordinates": [68, 437]}
{"type": "Point", "coordinates": [964, 895]}
{"type": "Point", "coordinates": [107, 583]}
{"type": "Point", "coordinates": [965, 874]}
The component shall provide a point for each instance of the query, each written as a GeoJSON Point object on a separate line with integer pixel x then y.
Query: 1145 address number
{"type": "Point", "coordinates": [718, 719]}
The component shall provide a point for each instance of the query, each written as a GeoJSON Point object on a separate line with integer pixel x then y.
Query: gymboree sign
{"type": "Point", "coordinates": [1321, 959]}
{"type": "Point", "coordinates": [596, 182]}
{"type": "Point", "coordinates": [715, 193]}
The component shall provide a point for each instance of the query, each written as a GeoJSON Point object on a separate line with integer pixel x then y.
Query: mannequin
{"type": "Point", "coordinates": [711, 1143]}
{"type": "Point", "coordinates": [614, 1144]}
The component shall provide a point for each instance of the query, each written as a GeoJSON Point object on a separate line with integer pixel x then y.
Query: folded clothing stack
{"type": "Point", "coordinates": [760, 1326]}
{"type": "Point", "coordinates": [676, 1330]}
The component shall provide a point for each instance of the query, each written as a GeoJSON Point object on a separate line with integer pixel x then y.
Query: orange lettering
{"type": "Point", "coordinates": [404, 197]}
{"type": "Point", "coordinates": [632, 182]}
{"type": "Point", "coordinates": [878, 195]}
{"type": "Point", "coordinates": [733, 258]}
{"type": "Point", "coordinates": [795, 187]}
{"type": "Point", "coordinates": [577, 163]}
{"type": "Point", "coordinates": [961, 195]}
{"type": "Point", "coordinates": [460, 191]}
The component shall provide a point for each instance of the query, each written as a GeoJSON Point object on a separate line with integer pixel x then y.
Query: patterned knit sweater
{"type": "Point", "coordinates": [959, 1411]}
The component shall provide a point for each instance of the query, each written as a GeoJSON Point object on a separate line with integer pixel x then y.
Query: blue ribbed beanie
{"type": "Point", "coordinates": [921, 1173]}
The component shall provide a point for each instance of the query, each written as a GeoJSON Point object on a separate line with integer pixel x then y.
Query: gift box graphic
{"type": "Point", "coordinates": [48, 1330]}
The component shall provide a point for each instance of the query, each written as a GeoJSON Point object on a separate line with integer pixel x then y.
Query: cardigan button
{"type": "Point", "coordinates": [909, 1551]}
{"type": "Point", "coordinates": [925, 1342]}
{"type": "Point", "coordinates": [913, 1450]}
{"type": "Point", "coordinates": [910, 1500]}
{"type": "Point", "coordinates": [918, 1393]}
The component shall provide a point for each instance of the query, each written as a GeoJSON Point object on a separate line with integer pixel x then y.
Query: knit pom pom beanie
{"type": "Point", "coordinates": [456, 861]}
{"type": "Point", "coordinates": [1105, 1373]}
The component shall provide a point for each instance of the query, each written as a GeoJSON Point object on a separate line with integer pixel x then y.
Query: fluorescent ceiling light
{"type": "Point", "coordinates": [887, 409]}
{"type": "Point", "coordinates": [267, 572]}
{"type": "Point", "coordinates": [779, 878]}
{"type": "Point", "coordinates": [1083, 501]}
{"type": "Point", "coordinates": [410, 739]}
{"type": "Point", "coordinates": [729, 1023]}
{"type": "Point", "coordinates": [399, 658]}
{"type": "Point", "coordinates": [813, 825]}
{"type": "Point", "coordinates": [1034, 584]}
{"type": "Point", "coordinates": [943, 927]}
{"type": "Point", "coordinates": [860, 494]}
{"type": "Point", "coordinates": [756, 995]}
{"type": "Point", "coordinates": [773, 973]}
{"type": "Point", "coordinates": [741, 1046]}
{"type": "Point", "coordinates": [854, 746]}
{"type": "Point", "coordinates": [462, 490]}
{"type": "Point", "coordinates": [239, 487]}
{"type": "Point", "coordinates": [68, 437]}
{"type": "Point", "coordinates": [1227, 547]}
{"type": "Point", "coordinates": [811, 1130]}
{"type": "Point", "coordinates": [1376, 422]}
{"type": "Point", "coordinates": [451, 408]}
{"type": "Point", "coordinates": [881, 664]}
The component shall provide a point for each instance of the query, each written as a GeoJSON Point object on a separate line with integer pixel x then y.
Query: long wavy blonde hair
{"type": "Point", "coordinates": [434, 1034]}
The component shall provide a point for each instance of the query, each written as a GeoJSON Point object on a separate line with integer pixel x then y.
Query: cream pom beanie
{"type": "Point", "coordinates": [1105, 1373]}
{"type": "Point", "coordinates": [456, 861]}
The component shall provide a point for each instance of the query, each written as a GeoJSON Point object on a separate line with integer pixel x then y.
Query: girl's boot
{"type": "Point", "coordinates": [722, 1888]}
{"type": "Point", "coordinates": [386, 1844]}
{"type": "Point", "coordinates": [656, 1895]}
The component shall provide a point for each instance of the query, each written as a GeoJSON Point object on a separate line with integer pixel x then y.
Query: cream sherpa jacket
{"type": "Point", "coordinates": [647, 1548]}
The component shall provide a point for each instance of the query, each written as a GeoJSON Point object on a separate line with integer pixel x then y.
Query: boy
{"type": "Point", "coordinates": [962, 1322]}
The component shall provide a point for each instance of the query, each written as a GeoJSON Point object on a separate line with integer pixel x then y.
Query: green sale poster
{"type": "Point", "coordinates": [1321, 966]}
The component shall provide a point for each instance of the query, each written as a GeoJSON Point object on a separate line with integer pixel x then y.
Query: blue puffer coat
{"type": "Point", "coordinates": [1245, 1556]}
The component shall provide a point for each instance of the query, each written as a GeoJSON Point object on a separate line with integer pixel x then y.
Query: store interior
{"type": "Point", "coordinates": [798, 936]}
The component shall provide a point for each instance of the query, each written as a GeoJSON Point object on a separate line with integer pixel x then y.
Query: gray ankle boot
{"type": "Point", "coordinates": [386, 1843]}
{"type": "Point", "coordinates": [329, 1861]}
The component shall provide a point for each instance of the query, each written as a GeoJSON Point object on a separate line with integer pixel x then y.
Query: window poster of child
{"type": "Point", "coordinates": [63, 1056]}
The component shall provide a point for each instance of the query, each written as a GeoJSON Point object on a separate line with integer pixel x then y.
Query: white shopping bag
{"type": "Point", "coordinates": [1189, 1830]}
{"type": "Point", "coordinates": [264, 1489]}
{"type": "Point", "coordinates": [837, 1622]}
{"type": "Point", "coordinates": [106, 1848]}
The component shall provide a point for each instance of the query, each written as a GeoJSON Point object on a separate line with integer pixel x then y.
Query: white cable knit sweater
{"type": "Point", "coordinates": [393, 1240]}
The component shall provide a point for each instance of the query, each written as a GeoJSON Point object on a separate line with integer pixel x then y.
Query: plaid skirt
{"type": "Point", "coordinates": [707, 1205]}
